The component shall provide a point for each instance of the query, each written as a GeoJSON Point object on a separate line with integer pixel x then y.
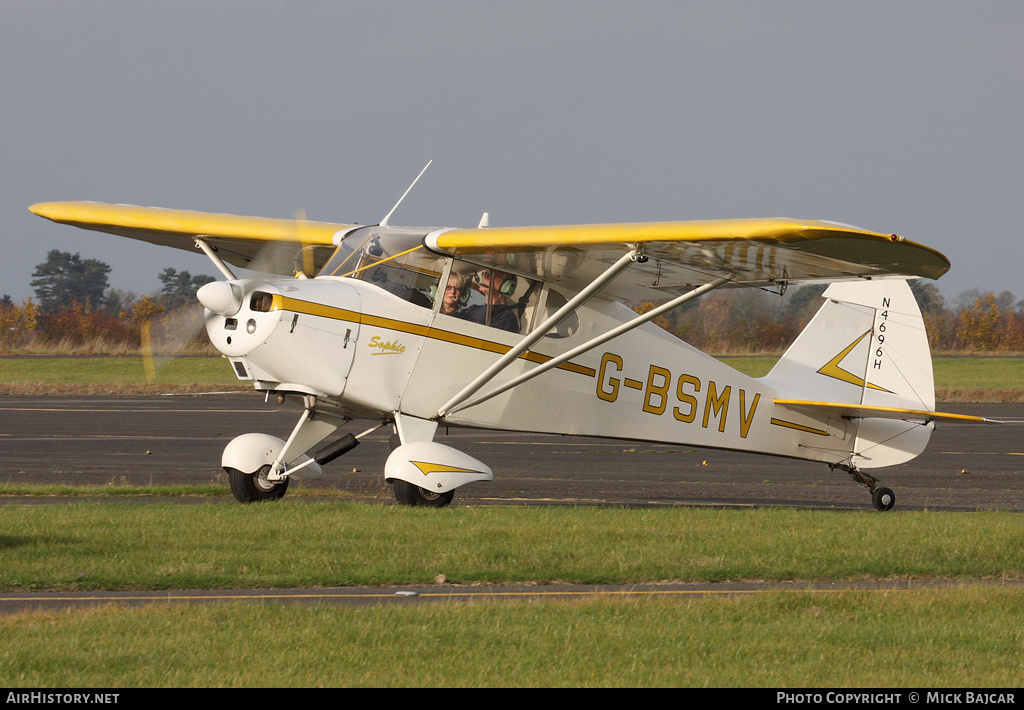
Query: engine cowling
{"type": "Point", "coordinates": [294, 336]}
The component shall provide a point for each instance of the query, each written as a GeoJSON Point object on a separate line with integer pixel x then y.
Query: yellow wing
{"type": "Point", "coordinates": [681, 255]}
{"type": "Point", "coordinates": [276, 244]}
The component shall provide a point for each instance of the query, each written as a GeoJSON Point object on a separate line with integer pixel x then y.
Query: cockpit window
{"type": "Point", "coordinates": [395, 262]}
{"type": "Point", "coordinates": [411, 283]}
{"type": "Point", "coordinates": [495, 298]}
{"type": "Point", "coordinates": [346, 256]}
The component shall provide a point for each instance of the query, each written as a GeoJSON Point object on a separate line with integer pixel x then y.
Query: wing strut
{"type": "Point", "coordinates": [541, 330]}
{"type": "Point", "coordinates": [589, 345]}
{"type": "Point", "coordinates": [215, 258]}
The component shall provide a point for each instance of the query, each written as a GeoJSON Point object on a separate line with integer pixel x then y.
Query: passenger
{"type": "Point", "coordinates": [455, 293]}
{"type": "Point", "coordinates": [496, 287]}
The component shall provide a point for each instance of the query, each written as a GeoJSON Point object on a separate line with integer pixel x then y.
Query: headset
{"type": "Point", "coordinates": [508, 285]}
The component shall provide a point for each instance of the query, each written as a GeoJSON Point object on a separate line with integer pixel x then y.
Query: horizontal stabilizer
{"type": "Point", "coordinates": [865, 411]}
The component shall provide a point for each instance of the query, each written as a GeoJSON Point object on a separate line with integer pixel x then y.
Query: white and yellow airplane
{"type": "Point", "coordinates": [524, 329]}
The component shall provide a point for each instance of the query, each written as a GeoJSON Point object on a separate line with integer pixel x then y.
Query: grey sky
{"type": "Point", "coordinates": [900, 117]}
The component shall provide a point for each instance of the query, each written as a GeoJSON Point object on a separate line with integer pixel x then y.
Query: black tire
{"type": "Point", "coordinates": [883, 499]}
{"type": "Point", "coordinates": [254, 487]}
{"type": "Point", "coordinates": [409, 494]}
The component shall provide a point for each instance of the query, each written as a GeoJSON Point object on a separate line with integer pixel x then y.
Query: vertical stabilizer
{"type": "Point", "coordinates": [866, 345]}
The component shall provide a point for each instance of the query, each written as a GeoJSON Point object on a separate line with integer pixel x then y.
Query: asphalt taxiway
{"type": "Point", "coordinates": [179, 439]}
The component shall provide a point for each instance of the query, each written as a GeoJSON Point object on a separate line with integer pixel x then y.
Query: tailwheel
{"type": "Point", "coordinates": [255, 487]}
{"type": "Point", "coordinates": [408, 494]}
{"type": "Point", "coordinates": [883, 499]}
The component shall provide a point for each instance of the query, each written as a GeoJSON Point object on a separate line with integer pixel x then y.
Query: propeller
{"type": "Point", "coordinates": [167, 336]}
{"type": "Point", "coordinates": [275, 260]}
{"type": "Point", "coordinates": [293, 257]}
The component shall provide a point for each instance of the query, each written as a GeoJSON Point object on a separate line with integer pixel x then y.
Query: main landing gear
{"type": "Point", "coordinates": [253, 488]}
{"type": "Point", "coordinates": [881, 497]}
{"type": "Point", "coordinates": [409, 494]}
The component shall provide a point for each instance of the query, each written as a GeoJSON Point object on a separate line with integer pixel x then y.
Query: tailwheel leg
{"type": "Point", "coordinates": [881, 497]}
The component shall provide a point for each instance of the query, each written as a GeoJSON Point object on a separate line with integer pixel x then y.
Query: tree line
{"type": "Point", "coordinates": [759, 321]}
{"type": "Point", "coordinates": [75, 305]}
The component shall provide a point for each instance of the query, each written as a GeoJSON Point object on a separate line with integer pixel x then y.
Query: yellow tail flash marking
{"type": "Point", "coordinates": [832, 369]}
{"type": "Point", "coordinates": [427, 468]}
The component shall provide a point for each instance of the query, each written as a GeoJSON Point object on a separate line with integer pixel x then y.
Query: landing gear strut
{"type": "Point", "coordinates": [881, 497]}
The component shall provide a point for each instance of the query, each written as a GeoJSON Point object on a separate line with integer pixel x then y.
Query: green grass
{"type": "Point", "coordinates": [958, 636]}
{"type": "Point", "coordinates": [754, 365]}
{"type": "Point", "coordinates": [166, 546]}
{"type": "Point", "coordinates": [113, 489]}
{"type": "Point", "coordinates": [122, 373]}
{"type": "Point", "coordinates": [953, 638]}
{"type": "Point", "coordinates": [979, 372]}
{"type": "Point", "coordinates": [944, 637]}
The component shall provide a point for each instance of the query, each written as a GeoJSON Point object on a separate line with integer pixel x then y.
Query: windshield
{"type": "Point", "coordinates": [396, 261]}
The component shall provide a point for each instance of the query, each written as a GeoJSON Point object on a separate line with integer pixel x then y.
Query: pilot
{"type": "Point", "coordinates": [497, 287]}
{"type": "Point", "coordinates": [455, 293]}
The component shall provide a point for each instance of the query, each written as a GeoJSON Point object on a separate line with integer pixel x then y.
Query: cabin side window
{"type": "Point", "coordinates": [489, 296]}
{"type": "Point", "coordinates": [553, 300]}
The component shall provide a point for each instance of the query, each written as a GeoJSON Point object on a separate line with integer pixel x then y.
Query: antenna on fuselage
{"type": "Point", "coordinates": [384, 222]}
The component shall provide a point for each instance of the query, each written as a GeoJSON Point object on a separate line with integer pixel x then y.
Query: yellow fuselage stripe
{"type": "Point", "coordinates": [798, 427]}
{"type": "Point", "coordinates": [294, 305]}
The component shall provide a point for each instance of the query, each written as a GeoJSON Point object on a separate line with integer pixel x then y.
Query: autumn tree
{"type": "Point", "coordinates": [17, 322]}
{"type": "Point", "coordinates": [179, 287]}
{"type": "Point", "coordinates": [980, 325]}
{"type": "Point", "coordinates": [66, 279]}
